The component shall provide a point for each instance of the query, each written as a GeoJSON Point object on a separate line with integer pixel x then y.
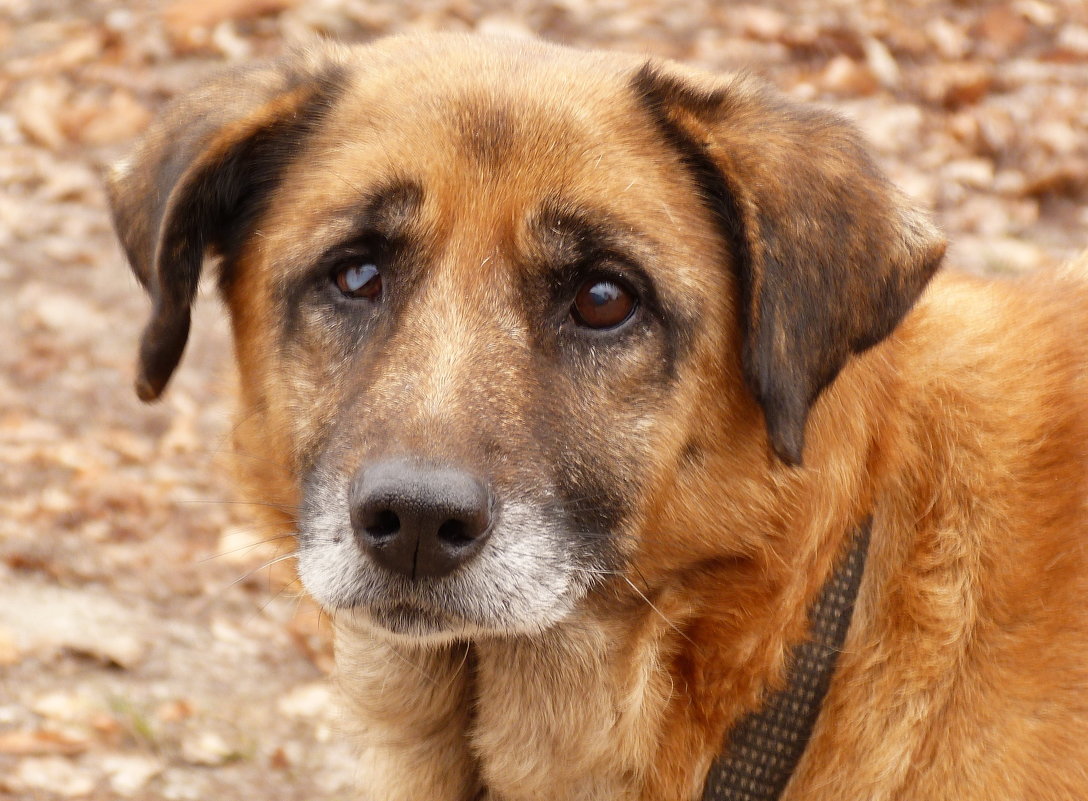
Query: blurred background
{"type": "Point", "coordinates": [147, 650]}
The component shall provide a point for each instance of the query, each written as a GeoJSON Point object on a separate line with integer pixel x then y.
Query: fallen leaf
{"type": "Point", "coordinates": [54, 774]}
{"type": "Point", "coordinates": [189, 23]}
{"type": "Point", "coordinates": [42, 742]}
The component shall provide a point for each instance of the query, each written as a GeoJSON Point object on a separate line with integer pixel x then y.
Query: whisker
{"type": "Point", "coordinates": [281, 591]}
{"type": "Point", "coordinates": [463, 662]}
{"type": "Point", "coordinates": [660, 614]}
{"type": "Point", "coordinates": [246, 547]}
{"type": "Point", "coordinates": [413, 665]}
{"type": "Point", "coordinates": [280, 506]}
{"type": "Point", "coordinates": [269, 563]}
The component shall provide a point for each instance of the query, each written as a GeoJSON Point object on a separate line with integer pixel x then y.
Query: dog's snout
{"type": "Point", "coordinates": [419, 521]}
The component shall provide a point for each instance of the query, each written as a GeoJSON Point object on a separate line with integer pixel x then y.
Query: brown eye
{"type": "Point", "coordinates": [601, 303]}
{"type": "Point", "coordinates": [360, 281]}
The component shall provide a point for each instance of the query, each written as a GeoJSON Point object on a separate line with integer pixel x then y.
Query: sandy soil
{"type": "Point", "coordinates": [146, 649]}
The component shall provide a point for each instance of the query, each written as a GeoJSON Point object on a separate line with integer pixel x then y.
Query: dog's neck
{"type": "Point", "coordinates": [600, 711]}
{"type": "Point", "coordinates": [763, 749]}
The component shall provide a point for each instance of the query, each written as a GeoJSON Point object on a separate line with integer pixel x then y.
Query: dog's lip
{"type": "Point", "coordinates": [411, 618]}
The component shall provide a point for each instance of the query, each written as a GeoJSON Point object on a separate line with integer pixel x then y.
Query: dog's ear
{"type": "Point", "coordinates": [829, 256]}
{"type": "Point", "coordinates": [197, 180]}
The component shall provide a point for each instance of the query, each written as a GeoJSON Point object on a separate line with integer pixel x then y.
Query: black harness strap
{"type": "Point", "coordinates": [763, 749]}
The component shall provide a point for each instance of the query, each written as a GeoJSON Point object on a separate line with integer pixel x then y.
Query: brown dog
{"type": "Point", "coordinates": [581, 371]}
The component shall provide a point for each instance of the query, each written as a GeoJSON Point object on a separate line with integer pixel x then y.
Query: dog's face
{"type": "Point", "coordinates": [485, 292]}
{"type": "Point", "coordinates": [509, 311]}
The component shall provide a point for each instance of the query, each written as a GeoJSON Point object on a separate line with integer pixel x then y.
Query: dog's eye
{"type": "Point", "coordinates": [359, 281]}
{"type": "Point", "coordinates": [602, 303]}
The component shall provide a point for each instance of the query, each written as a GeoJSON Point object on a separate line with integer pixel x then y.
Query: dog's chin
{"type": "Point", "coordinates": [404, 624]}
{"type": "Point", "coordinates": [412, 624]}
{"type": "Point", "coordinates": [418, 625]}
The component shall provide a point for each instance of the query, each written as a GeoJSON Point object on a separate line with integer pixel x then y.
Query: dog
{"type": "Point", "coordinates": [583, 374]}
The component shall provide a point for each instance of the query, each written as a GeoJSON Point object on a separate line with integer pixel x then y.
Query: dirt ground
{"type": "Point", "coordinates": [146, 649]}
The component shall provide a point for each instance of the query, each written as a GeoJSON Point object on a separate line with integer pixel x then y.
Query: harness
{"type": "Point", "coordinates": [763, 749]}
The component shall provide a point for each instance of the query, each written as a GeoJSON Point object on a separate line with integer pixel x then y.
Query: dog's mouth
{"type": "Point", "coordinates": [409, 620]}
{"type": "Point", "coordinates": [421, 623]}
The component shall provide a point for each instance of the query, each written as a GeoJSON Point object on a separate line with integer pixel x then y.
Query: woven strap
{"type": "Point", "coordinates": [763, 749]}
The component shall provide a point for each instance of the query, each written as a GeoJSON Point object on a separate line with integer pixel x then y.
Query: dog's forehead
{"type": "Point", "coordinates": [493, 139]}
{"type": "Point", "coordinates": [494, 108]}
{"type": "Point", "coordinates": [450, 107]}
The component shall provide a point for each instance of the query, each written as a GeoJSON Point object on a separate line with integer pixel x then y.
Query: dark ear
{"type": "Point", "coordinates": [197, 180]}
{"type": "Point", "coordinates": [829, 256]}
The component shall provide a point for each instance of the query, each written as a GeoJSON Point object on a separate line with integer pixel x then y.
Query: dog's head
{"type": "Point", "coordinates": [491, 299]}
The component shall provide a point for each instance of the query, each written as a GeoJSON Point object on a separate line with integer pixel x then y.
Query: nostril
{"type": "Point", "coordinates": [383, 524]}
{"type": "Point", "coordinates": [456, 533]}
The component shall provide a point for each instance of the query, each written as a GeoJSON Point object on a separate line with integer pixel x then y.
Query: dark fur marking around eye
{"type": "Point", "coordinates": [571, 244]}
{"type": "Point", "coordinates": [383, 229]}
{"type": "Point", "coordinates": [392, 208]}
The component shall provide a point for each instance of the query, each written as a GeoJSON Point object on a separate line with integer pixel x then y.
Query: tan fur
{"type": "Point", "coordinates": [964, 434]}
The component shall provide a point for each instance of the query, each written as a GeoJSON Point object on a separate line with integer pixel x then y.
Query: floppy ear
{"type": "Point", "coordinates": [829, 256]}
{"type": "Point", "coordinates": [196, 182]}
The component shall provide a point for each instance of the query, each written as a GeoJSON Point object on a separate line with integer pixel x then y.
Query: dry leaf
{"type": "Point", "coordinates": [42, 742]}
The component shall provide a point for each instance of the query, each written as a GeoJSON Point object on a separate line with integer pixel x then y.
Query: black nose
{"type": "Point", "coordinates": [419, 521]}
